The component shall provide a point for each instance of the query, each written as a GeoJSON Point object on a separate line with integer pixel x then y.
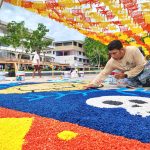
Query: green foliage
{"type": "Point", "coordinates": [95, 51]}
{"type": "Point", "coordinates": [38, 40]}
{"type": "Point", "coordinates": [4, 40]}
{"type": "Point", "coordinates": [19, 36]}
{"type": "Point", "coordinates": [16, 34]}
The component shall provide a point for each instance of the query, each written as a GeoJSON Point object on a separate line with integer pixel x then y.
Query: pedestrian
{"type": "Point", "coordinates": [36, 63]}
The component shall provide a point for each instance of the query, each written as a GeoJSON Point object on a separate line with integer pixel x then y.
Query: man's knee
{"type": "Point", "coordinates": [145, 76]}
{"type": "Point", "coordinates": [133, 83]}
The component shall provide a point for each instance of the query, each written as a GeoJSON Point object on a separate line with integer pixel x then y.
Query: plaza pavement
{"type": "Point", "coordinates": [86, 79]}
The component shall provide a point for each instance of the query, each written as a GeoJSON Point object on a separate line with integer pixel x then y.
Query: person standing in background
{"type": "Point", "coordinates": [36, 64]}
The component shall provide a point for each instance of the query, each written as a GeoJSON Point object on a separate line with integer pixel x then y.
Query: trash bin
{"type": "Point", "coordinates": [81, 73]}
{"type": "Point", "coordinates": [67, 74]}
{"type": "Point", "coordinates": [20, 76]}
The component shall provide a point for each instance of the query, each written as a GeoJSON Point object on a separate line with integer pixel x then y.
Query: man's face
{"type": "Point", "coordinates": [117, 54]}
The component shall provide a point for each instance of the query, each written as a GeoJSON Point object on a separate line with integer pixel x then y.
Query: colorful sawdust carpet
{"type": "Point", "coordinates": [56, 116]}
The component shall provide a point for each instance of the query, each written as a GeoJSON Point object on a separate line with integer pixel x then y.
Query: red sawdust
{"type": "Point", "coordinates": [43, 136]}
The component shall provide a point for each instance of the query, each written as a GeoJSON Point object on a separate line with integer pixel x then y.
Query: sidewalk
{"type": "Point", "coordinates": [43, 79]}
{"type": "Point", "coordinates": [87, 78]}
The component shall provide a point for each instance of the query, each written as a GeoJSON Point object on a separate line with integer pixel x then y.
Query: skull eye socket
{"type": "Point", "coordinates": [137, 101]}
{"type": "Point", "coordinates": [113, 102]}
{"type": "Point", "coordinates": [136, 106]}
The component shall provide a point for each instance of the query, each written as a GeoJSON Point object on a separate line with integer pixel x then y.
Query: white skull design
{"type": "Point", "coordinates": [133, 104]}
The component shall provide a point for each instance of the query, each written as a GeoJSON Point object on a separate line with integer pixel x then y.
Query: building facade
{"type": "Point", "coordinates": [70, 52]}
{"type": "Point", "coordinates": [64, 53]}
{"type": "Point", "coordinates": [10, 55]}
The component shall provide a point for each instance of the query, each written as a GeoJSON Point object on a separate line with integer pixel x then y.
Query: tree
{"type": "Point", "coordinates": [19, 36]}
{"type": "Point", "coordinates": [37, 40]}
{"type": "Point", "coordinates": [4, 41]}
{"type": "Point", "coordinates": [16, 37]}
{"type": "Point", "coordinates": [95, 51]}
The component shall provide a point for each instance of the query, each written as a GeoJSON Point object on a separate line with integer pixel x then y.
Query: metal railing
{"type": "Point", "coordinates": [27, 62]}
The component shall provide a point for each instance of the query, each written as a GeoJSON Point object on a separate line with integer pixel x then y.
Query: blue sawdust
{"type": "Point", "coordinates": [70, 106]}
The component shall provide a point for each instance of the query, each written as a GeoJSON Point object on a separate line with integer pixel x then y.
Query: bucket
{"type": "Point", "coordinates": [2, 76]}
{"type": "Point", "coordinates": [81, 73]}
{"type": "Point", "coordinates": [122, 82]}
{"type": "Point", "coordinates": [20, 76]}
{"type": "Point", "coordinates": [67, 74]}
{"type": "Point", "coordinates": [74, 74]}
{"type": "Point", "coordinates": [110, 80]}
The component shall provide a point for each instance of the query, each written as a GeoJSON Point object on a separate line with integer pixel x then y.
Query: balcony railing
{"type": "Point", "coordinates": [25, 61]}
{"type": "Point", "coordinates": [14, 60]}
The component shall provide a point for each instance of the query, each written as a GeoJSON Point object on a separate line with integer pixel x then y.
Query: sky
{"type": "Point", "coordinates": [57, 31]}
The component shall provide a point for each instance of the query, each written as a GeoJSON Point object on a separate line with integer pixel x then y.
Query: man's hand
{"type": "Point", "coordinates": [120, 75]}
{"type": "Point", "coordinates": [92, 86]}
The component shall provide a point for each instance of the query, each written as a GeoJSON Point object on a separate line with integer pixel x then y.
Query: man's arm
{"type": "Point", "coordinates": [97, 82]}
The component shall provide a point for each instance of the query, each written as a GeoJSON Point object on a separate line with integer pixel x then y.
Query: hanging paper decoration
{"type": "Point", "coordinates": [103, 20]}
{"type": "Point", "coordinates": [133, 11]}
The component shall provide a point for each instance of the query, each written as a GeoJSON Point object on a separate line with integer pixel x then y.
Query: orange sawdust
{"type": "Point", "coordinates": [43, 135]}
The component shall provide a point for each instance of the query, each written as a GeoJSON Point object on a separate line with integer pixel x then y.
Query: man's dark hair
{"type": "Point", "coordinates": [38, 51]}
{"type": "Point", "coordinates": [115, 44]}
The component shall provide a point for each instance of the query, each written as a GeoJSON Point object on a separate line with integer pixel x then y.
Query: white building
{"type": "Point", "coordinates": [8, 53]}
{"type": "Point", "coordinates": [70, 52]}
{"type": "Point", "coordinates": [63, 53]}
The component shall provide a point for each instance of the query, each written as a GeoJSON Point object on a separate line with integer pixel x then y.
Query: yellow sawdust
{"type": "Point", "coordinates": [67, 135]}
{"type": "Point", "coordinates": [42, 87]}
{"type": "Point", "coordinates": [13, 131]}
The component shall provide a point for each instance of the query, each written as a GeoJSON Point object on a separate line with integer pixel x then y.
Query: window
{"type": "Point", "coordinates": [67, 43]}
{"type": "Point", "coordinates": [75, 43]}
{"type": "Point", "coordinates": [80, 45]}
{"type": "Point", "coordinates": [58, 44]}
{"type": "Point", "coordinates": [59, 53]}
{"type": "Point", "coordinates": [25, 57]}
{"type": "Point", "coordinates": [80, 59]}
{"type": "Point", "coordinates": [75, 58]}
{"type": "Point", "coordinates": [12, 55]}
{"type": "Point", "coordinates": [80, 53]}
{"type": "Point", "coordinates": [66, 53]}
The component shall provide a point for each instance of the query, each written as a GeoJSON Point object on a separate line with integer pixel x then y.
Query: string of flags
{"type": "Point", "coordinates": [103, 20]}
